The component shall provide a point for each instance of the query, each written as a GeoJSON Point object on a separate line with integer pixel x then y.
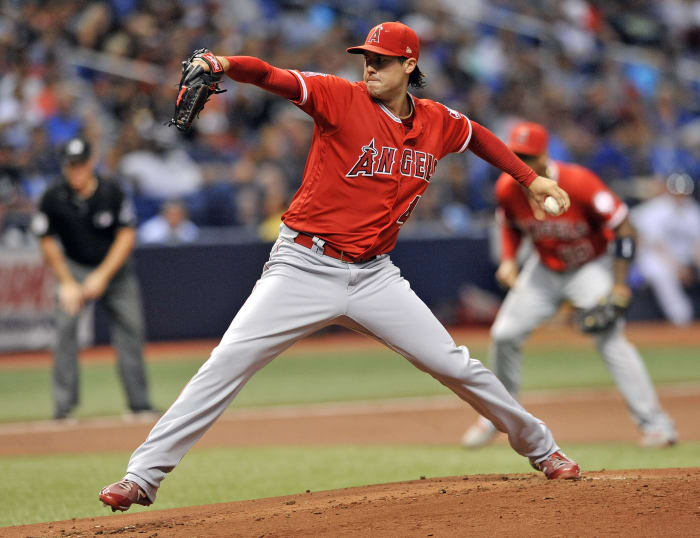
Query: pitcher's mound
{"type": "Point", "coordinates": [659, 502]}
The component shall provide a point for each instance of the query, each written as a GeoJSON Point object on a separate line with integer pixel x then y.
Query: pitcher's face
{"type": "Point", "coordinates": [386, 75]}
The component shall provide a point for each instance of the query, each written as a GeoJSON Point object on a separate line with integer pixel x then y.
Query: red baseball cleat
{"type": "Point", "coordinates": [121, 495]}
{"type": "Point", "coordinates": [557, 465]}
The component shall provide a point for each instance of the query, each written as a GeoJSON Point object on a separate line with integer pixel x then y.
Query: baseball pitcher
{"type": "Point", "coordinates": [570, 262]}
{"type": "Point", "coordinates": [373, 153]}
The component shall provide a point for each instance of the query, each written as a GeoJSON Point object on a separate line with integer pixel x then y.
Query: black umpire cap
{"type": "Point", "coordinates": [75, 151]}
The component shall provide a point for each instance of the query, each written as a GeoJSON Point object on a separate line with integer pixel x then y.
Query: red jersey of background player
{"type": "Point", "coordinates": [361, 184]}
{"type": "Point", "coordinates": [569, 240]}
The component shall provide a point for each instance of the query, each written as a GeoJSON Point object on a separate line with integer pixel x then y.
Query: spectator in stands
{"type": "Point", "coordinates": [161, 169]}
{"type": "Point", "coordinates": [620, 112]}
{"type": "Point", "coordinates": [248, 204]}
{"type": "Point", "coordinates": [669, 246]}
{"type": "Point", "coordinates": [15, 206]}
{"type": "Point", "coordinates": [85, 225]}
{"type": "Point", "coordinates": [65, 122]}
{"type": "Point", "coordinates": [275, 201]}
{"type": "Point", "coordinates": [171, 226]}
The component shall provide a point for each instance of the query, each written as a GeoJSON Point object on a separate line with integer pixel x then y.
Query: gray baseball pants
{"type": "Point", "coordinates": [122, 302]}
{"type": "Point", "coordinates": [300, 291]}
{"type": "Point", "coordinates": [536, 296]}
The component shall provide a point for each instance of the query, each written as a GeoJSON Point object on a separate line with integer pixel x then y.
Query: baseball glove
{"type": "Point", "coordinates": [196, 86]}
{"type": "Point", "coordinates": [602, 316]}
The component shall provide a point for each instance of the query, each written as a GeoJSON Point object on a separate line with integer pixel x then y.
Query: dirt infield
{"type": "Point", "coordinates": [575, 416]}
{"type": "Point", "coordinates": [660, 502]}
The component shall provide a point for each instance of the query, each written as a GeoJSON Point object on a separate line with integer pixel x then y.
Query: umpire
{"type": "Point", "coordinates": [86, 229]}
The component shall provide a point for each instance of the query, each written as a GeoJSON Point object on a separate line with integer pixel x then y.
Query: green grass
{"type": "Point", "coordinates": [322, 377]}
{"type": "Point", "coordinates": [222, 475]}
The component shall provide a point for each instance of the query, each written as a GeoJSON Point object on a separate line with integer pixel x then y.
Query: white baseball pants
{"type": "Point", "coordinates": [536, 296]}
{"type": "Point", "coordinates": [299, 292]}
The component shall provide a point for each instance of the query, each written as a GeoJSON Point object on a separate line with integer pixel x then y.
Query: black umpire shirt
{"type": "Point", "coordinates": [86, 227]}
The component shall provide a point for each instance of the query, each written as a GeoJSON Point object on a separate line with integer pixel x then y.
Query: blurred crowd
{"type": "Point", "coordinates": [616, 82]}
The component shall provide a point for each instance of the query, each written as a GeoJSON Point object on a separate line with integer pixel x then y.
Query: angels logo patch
{"type": "Point", "coordinates": [453, 113]}
{"type": "Point", "coordinates": [604, 202]}
{"type": "Point", "coordinates": [522, 135]}
{"type": "Point", "coordinates": [364, 166]}
{"type": "Point", "coordinates": [374, 36]}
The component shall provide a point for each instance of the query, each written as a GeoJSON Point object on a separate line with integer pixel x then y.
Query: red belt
{"type": "Point", "coordinates": [308, 242]}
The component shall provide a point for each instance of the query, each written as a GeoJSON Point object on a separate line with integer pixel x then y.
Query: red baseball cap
{"type": "Point", "coordinates": [390, 39]}
{"type": "Point", "coordinates": [528, 138]}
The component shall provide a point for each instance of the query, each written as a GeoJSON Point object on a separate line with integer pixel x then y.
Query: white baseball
{"type": "Point", "coordinates": [551, 206]}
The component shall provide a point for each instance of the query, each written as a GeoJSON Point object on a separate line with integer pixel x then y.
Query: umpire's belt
{"type": "Point", "coordinates": [319, 245]}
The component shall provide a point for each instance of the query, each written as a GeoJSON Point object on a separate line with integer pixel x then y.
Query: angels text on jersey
{"type": "Point", "coordinates": [560, 229]}
{"type": "Point", "coordinates": [413, 163]}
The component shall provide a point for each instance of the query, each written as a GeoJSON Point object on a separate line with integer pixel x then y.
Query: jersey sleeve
{"type": "Point", "coordinates": [326, 98]}
{"type": "Point", "coordinates": [602, 204]}
{"type": "Point", "coordinates": [457, 130]}
{"type": "Point", "coordinates": [510, 234]}
{"type": "Point", "coordinates": [41, 223]}
{"type": "Point", "coordinates": [126, 214]}
{"type": "Point", "coordinates": [487, 146]}
{"type": "Point", "coordinates": [252, 70]}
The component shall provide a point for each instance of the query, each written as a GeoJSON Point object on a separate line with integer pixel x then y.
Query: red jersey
{"type": "Point", "coordinates": [567, 241]}
{"type": "Point", "coordinates": [365, 172]}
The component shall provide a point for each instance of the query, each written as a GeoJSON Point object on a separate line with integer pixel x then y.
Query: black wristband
{"type": "Point", "coordinates": [625, 247]}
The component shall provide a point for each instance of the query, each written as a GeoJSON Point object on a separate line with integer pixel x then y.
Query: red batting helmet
{"type": "Point", "coordinates": [528, 138]}
{"type": "Point", "coordinates": [390, 39]}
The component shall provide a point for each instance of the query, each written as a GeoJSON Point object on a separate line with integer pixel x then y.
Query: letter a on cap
{"type": "Point", "coordinates": [374, 36]}
{"type": "Point", "coordinates": [523, 135]}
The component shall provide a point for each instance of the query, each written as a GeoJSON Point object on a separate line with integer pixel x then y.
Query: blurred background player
{"type": "Point", "coordinates": [570, 263]}
{"type": "Point", "coordinates": [669, 246]}
{"type": "Point", "coordinates": [85, 225]}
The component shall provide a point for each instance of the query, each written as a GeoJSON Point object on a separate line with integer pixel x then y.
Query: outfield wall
{"type": "Point", "coordinates": [195, 291]}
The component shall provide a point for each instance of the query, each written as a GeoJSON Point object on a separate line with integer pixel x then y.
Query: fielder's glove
{"type": "Point", "coordinates": [602, 316]}
{"type": "Point", "coordinates": [196, 86]}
